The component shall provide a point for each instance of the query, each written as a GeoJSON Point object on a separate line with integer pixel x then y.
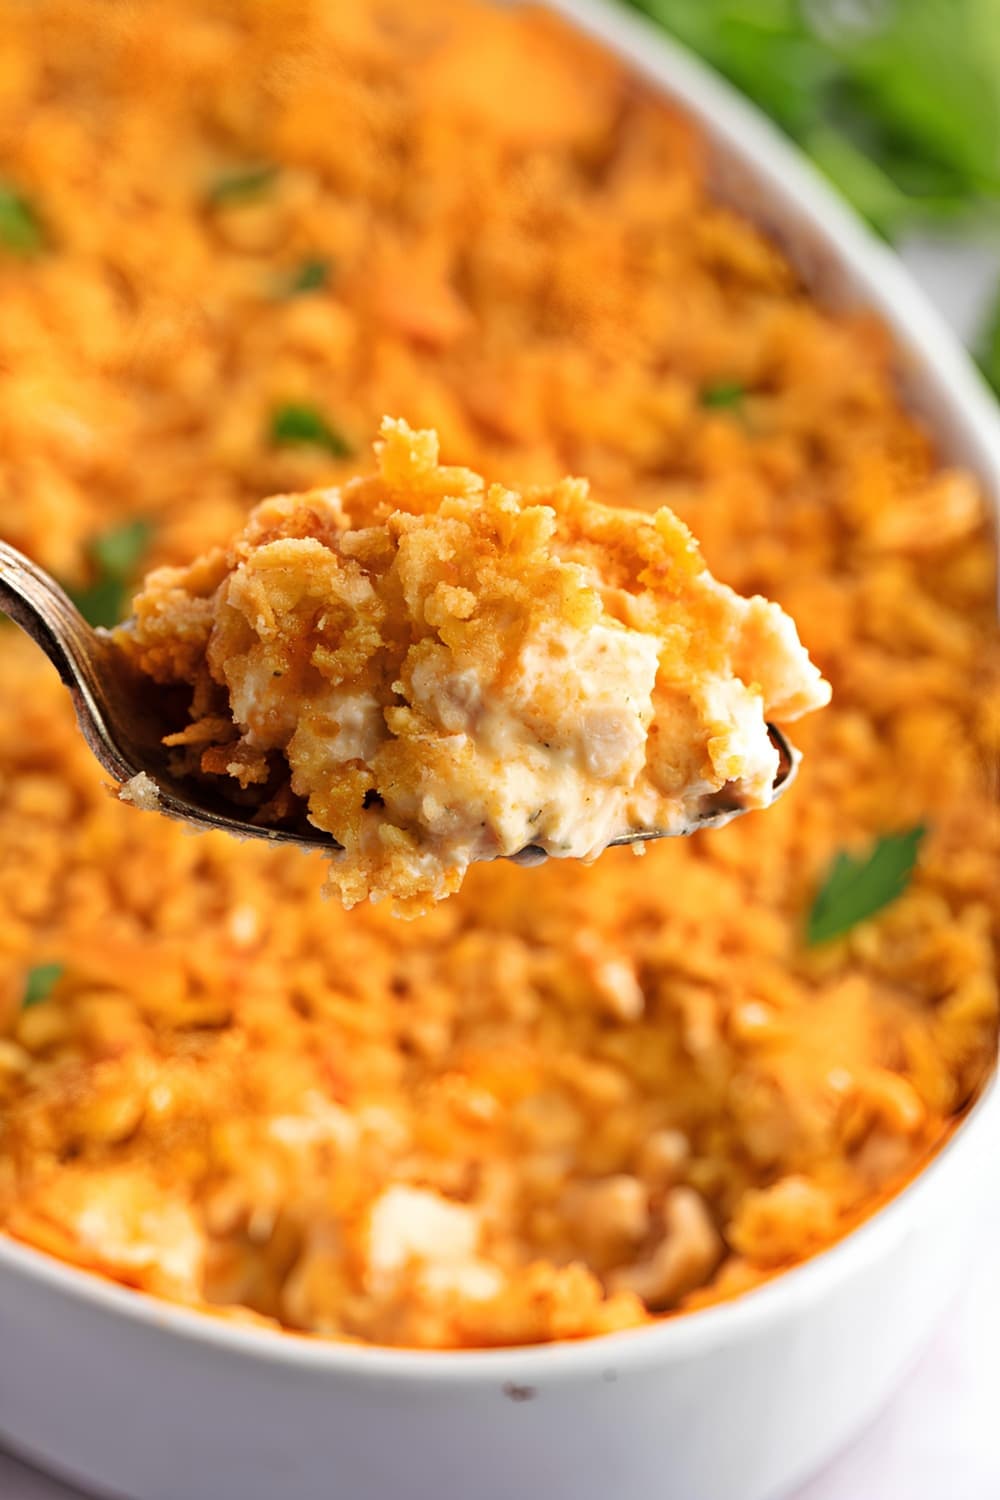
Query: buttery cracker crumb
{"type": "Point", "coordinates": [141, 791]}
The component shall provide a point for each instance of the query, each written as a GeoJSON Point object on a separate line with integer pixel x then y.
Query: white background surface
{"type": "Point", "coordinates": [940, 1437]}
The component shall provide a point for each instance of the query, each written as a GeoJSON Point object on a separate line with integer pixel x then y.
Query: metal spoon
{"type": "Point", "coordinates": [121, 714]}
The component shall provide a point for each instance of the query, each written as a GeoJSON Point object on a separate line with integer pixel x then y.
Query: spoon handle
{"type": "Point", "coordinates": [35, 602]}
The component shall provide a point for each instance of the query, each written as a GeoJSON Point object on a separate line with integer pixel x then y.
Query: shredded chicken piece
{"type": "Point", "coordinates": [685, 1255]}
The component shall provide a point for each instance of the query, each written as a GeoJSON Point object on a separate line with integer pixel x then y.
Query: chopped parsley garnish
{"type": "Point", "coordinates": [297, 423]}
{"type": "Point", "coordinates": [115, 556]}
{"type": "Point", "coordinates": [856, 889]}
{"type": "Point", "coordinates": [725, 395]}
{"type": "Point", "coordinates": [235, 187]}
{"type": "Point", "coordinates": [39, 983]}
{"type": "Point", "coordinates": [119, 551]}
{"type": "Point", "coordinates": [311, 275]}
{"type": "Point", "coordinates": [21, 232]}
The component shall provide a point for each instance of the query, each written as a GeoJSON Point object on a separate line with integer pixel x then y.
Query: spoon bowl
{"type": "Point", "coordinates": [124, 717]}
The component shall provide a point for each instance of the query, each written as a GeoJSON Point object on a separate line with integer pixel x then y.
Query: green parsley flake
{"type": "Point", "coordinates": [236, 187]}
{"type": "Point", "coordinates": [726, 395]}
{"type": "Point", "coordinates": [310, 276]}
{"type": "Point", "coordinates": [856, 889]}
{"type": "Point", "coordinates": [299, 424]}
{"type": "Point", "coordinates": [115, 556]}
{"type": "Point", "coordinates": [20, 230]}
{"type": "Point", "coordinates": [39, 983]}
{"type": "Point", "coordinates": [120, 551]}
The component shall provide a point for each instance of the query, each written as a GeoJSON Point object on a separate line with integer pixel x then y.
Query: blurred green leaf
{"type": "Point", "coordinates": [785, 71]}
{"type": "Point", "coordinates": [764, 47]}
{"type": "Point", "coordinates": [860, 179]}
{"type": "Point", "coordinates": [926, 76]}
{"type": "Point", "coordinates": [901, 112]}
{"type": "Point", "coordinates": [988, 351]}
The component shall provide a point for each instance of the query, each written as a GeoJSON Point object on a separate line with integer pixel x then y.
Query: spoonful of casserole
{"type": "Point", "coordinates": [419, 670]}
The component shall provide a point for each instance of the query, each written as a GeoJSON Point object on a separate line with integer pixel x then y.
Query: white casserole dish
{"type": "Point", "coordinates": [137, 1399]}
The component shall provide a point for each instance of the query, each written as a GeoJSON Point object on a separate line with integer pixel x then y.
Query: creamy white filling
{"type": "Point", "coordinates": [257, 700]}
{"type": "Point", "coordinates": [738, 745]}
{"type": "Point", "coordinates": [452, 699]}
{"type": "Point", "coordinates": [565, 792]}
{"type": "Point", "coordinates": [317, 1123]}
{"type": "Point", "coordinates": [559, 752]}
{"type": "Point", "coordinates": [359, 725]}
{"type": "Point", "coordinates": [791, 684]}
{"type": "Point", "coordinates": [414, 1225]}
